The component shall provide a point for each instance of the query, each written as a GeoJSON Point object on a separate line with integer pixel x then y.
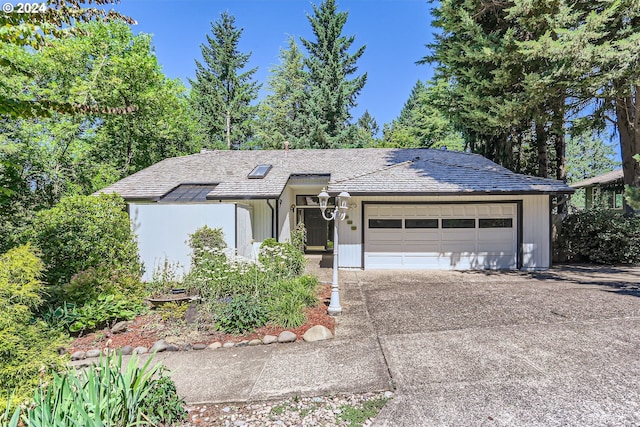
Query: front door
{"type": "Point", "coordinates": [317, 229]}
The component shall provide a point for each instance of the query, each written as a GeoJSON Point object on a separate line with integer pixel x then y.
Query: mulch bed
{"type": "Point", "coordinates": [149, 328]}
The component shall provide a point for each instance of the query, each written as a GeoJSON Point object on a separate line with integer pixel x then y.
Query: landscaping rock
{"type": "Point", "coordinates": [199, 346]}
{"type": "Point", "coordinates": [78, 355]}
{"type": "Point", "coordinates": [214, 345]}
{"type": "Point", "coordinates": [317, 333]}
{"type": "Point", "coordinates": [242, 343]}
{"type": "Point", "coordinates": [192, 315]}
{"type": "Point", "coordinates": [286, 336]}
{"type": "Point", "coordinates": [269, 339]}
{"type": "Point", "coordinates": [120, 327]}
{"type": "Point", "coordinates": [172, 347]}
{"type": "Point", "coordinates": [255, 342]}
{"type": "Point", "coordinates": [93, 353]}
{"type": "Point", "coordinates": [127, 350]}
{"type": "Point", "coordinates": [159, 346]}
{"type": "Point", "coordinates": [140, 350]}
{"type": "Point", "coordinates": [186, 347]}
{"type": "Point", "coordinates": [228, 345]}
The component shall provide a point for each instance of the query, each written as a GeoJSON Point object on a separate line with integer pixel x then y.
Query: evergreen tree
{"type": "Point", "coordinates": [588, 156]}
{"type": "Point", "coordinates": [329, 64]}
{"type": "Point", "coordinates": [421, 122]}
{"type": "Point", "coordinates": [281, 113]}
{"type": "Point", "coordinates": [222, 93]}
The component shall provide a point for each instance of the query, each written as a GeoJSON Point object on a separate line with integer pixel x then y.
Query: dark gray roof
{"type": "Point", "coordinates": [605, 178]}
{"type": "Point", "coordinates": [359, 171]}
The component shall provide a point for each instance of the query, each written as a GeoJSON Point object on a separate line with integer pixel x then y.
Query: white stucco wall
{"type": "Point", "coordinates": [163, 230]}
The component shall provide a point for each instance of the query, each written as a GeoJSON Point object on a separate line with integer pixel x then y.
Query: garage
{"type": "Point", "coordinates": [455, 236]}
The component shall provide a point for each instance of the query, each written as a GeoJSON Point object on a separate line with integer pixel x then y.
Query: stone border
{"type": "Point", "coordinates": [315, 333]}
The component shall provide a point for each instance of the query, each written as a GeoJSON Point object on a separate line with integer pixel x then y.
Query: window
{"type": "Point", "coordinates": [186, 193]}
{"type": "Point", "coordinates": [385, 223]}
{"type": "Point", "coordinates": [495, 223]}
{"type": "Point", "coordinates": [259, 172]}
{"type": "Point", "coordinates": [459, 223]}
{"type": "Point", "coordinates": [421, 223]}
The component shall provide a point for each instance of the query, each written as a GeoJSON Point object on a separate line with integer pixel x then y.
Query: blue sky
{"type": "Point", "coordinates": [394, 31]}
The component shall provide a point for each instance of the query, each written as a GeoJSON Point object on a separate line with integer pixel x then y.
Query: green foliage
{"type": "Point", "coordinates": [28, 347]}
{"type": "Point", "coordinates": [205, 242]}
{"type": "Point", "coordinates": [357, 416]}
{"type": "Point", "coordinates": [82, 232]}
{"type": "Point", "coordinates": [243, 295]}
{"type": "Point", "coordinates": [165, 278]}
{"type": "Point", "coordinates": [104, 309]}
{"type": "Point", "coordinates": [288, 299]}
{"type": "Point", "coordinates": [287, 310]}
{"type": "Point", "coordinates": [173, 311]}
{"type": "Point", "coordinates": [330, 65]}
{"type": "Point", "coordinates": [588, 156]}
{"type": "Point", "coordinates": [281, 113]}
{"type": "Point", "coordinates": [632, 194]}
{"type": "Point", "coordinates": [282, 258]}
{"type": "Point", "coordinates": [422, 122]}
{"type": "Point", "coordinates": [299, 237]}
{"type": "Point", "coordinates": [89, 284]}
{"type": "Point", "coordinates": [242, 313]}
{"type": "Point", "coordinates": [36, 30]}
{"type": "Point", "coordinates": [601, 236]}
{"type": "Point", "coordinates": [221, 92]}
{"type": "Point", "coordinates": [107, 394]}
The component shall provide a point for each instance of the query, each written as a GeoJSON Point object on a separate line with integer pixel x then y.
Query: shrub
{"type": "Point", "coordinates": [87, 285]}
{"type": "Point", "coordinates": [107, 395]}
{"type": "Point", "coordinates": [282, 258]}
{"type": "Point", "coordinates": [240, 314]}
{"type": "Point", "coordinates": [28, 347]}
{"type": "Point", "coordinates": [601, 236]}
{"type": "Point", "coordinates": [206, 242]}
{"type": "Point", "coordinates": [165, 278]}
{"type": "Point", "coordinates": [82, 232]}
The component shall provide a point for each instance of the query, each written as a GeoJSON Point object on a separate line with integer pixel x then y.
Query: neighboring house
{"type": "Point", "coordinates": [410, 208]}
{"type": "Point", "coordinates": [604, 190]}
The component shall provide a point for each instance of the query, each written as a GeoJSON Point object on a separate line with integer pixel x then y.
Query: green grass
{"type": "Point", "coordinates": [356, 416]}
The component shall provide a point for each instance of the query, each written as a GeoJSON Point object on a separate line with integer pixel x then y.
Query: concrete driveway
{"type": "Point", "coordinates": [554, 348]}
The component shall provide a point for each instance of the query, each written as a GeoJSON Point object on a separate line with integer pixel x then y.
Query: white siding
{"type": "Point", "coordinates": [244, 232]}
{"type": "Point", "coordinates": [535, 226]}
{"type": "Point", "coordinates": [163, 230]}
{"type": "Point", "coordinates": [536, 235]}
{"type": "Point", "coordinates": [285, 217]}
{"type": "Point", "coordinates": [260, 220]}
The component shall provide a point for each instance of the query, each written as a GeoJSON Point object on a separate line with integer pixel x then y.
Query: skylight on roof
{"type": "Point", "coordinates": [259, 172]}
{"type": "Point", "coordinates": [186, 193]}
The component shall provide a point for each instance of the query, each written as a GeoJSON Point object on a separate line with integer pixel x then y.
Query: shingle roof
{"type": "Point", "coordinates": [359, 171]}
{"type": "Point", "coordinates": [606, 178]}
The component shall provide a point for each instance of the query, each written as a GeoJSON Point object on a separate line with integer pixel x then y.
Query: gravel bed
{"type": "Point", "coordinates": [325, 411]}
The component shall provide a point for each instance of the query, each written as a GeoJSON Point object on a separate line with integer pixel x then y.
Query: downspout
{"type": "Point", "coordinates": [273, 221]}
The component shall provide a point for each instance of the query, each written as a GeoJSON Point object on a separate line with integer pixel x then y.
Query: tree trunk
{"type": "Point", "coordinates": [228, 130]}
{"type": "Point", "coordinates": [558, 132]}
{"type": "Point", "coordinates": [543, 155]}
{"type": "Point", "coordinates": [627, 120]}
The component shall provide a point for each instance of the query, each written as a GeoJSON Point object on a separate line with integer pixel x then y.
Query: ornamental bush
{"type": "Point", "coordinates": [282, 258]}
{"type": "Point", "coordinates": [600, 236]}
{"type": "Point", "coordinates": [28, 347]}
{"type": "Point", "coordinates": [85, 232]}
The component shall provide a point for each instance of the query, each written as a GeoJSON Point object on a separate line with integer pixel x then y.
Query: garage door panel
{"type": "Point", "coordinates": [430, 246]}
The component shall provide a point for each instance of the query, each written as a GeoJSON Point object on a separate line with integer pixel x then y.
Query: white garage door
{"type": "Point", "coordinates": [453, 236]}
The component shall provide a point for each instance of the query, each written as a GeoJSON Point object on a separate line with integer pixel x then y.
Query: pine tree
{"type": "Point", "coordinates": [281, 113]}
{"type": "Point", "coordinates": [329, 64]}
{"type": "Point", "coordinates": [222, 93]}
